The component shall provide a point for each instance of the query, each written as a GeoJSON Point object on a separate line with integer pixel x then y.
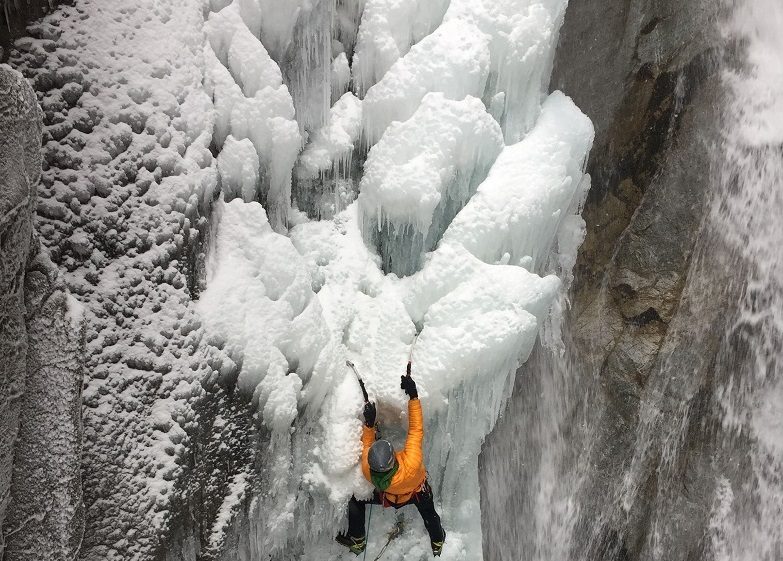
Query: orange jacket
{"type": "Point", "coordinates": [411, 474]}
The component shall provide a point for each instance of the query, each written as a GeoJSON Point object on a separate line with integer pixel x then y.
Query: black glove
{"type": "Point", "coordinates": [409, 386]}
{"type": "Point", "coordinates": [369, 414]}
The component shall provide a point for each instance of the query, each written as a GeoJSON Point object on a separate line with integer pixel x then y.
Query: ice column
{"type": "Point", "coordinates": [421, 173]}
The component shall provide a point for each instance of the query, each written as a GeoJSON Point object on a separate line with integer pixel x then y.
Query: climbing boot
{"type": "Point", "coordinates": [356, 545]}
{"type": "Point", "coordinates": [437, 547]}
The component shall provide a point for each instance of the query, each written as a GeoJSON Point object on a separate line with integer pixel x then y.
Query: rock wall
{"type": "Point", "coordinates": [41, 513]}
{"type": "Point", "coordinates": [631, 429]}
{"type": "Point", "coordinates": [20, 168]}
{"type": "Point", "coordinates": [45, 519]}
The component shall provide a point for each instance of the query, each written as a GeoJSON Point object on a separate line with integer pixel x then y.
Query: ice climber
{"type": "Point", "coordinates": [399, 478]}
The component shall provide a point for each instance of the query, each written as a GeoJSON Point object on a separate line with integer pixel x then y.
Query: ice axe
{"type": "Point", "coordinates": [367, 404]}
{"type": "Point", "coordinates": [361, 382]}
{"type": "Point", "coordinates": [410, 354]}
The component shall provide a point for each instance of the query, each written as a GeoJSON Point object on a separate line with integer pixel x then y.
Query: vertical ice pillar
{"type": "Point", "coordinates": [298, 35]}
{"type": "Point", "coordinates": [420, 174]}
{"type": "Point", "coordinates": [389, 28]}
{"type": "Point", "coordinates": [523, 40]}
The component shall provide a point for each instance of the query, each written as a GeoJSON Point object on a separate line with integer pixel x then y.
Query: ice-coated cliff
{"type": "Point", "coordinates": [236, 196]}
{"type": "Point", "coordinates": [241, 196]}
{"type": "Point", "coordinates": [41, 342]}
{"type": "Point", "coordinates": [233, 193]}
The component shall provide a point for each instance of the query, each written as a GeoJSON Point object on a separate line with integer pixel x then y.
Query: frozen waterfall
{"type": "Point", "coordinates": [439, 195]}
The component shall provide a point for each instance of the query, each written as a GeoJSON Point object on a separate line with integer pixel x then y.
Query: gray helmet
{"type": "Point", "coordinates": [381, 456]}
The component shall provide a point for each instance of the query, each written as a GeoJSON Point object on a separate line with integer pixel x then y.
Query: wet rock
{"type": "Point", "coordinates": [653, 92]}
{"type": "Point", "coordinates": [20, 165]}
{"type": "Point", "coordinates": [41, 512]}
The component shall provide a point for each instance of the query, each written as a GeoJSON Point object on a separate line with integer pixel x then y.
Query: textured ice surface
{"type": "Point", "coordinates": [388, 29]}
{"type": "Point", "coordinates": [453, 60]}
{"type": "Point", "coordinates": [420, 175]}
{"type": "Point", "coordinates": [128, 127]}
{"type": "Point", "coordinates": [238, 167]}
{"type": "Point", "coordinates": [252, 102]}
{"type": "Point", "coordinates": [324, 179]}
{"type": "Point", "coordinates": [523, 36]}
{"type": "Point", "coordinates": [538, 177]}
{"type": "Point", "coordinates": [332, 146]}
{"type": "Point", "coordinates": [288, 299]}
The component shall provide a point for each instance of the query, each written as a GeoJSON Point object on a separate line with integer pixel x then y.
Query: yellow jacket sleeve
{"type": "Point", "coordinates": [414, 456]}
{"type": "Point", "coordinates": [368, 438]}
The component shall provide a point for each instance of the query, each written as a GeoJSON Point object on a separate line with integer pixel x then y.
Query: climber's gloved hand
{"type": "Point", "coordinates": [408, 385]}
{"type": "Point", "coordinates": [369, 414]}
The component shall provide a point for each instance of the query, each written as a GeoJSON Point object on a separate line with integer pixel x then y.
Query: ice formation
{"type": "Point", "coordinates": [452, 237]}
{"type": "Point", "coordinates": [388, 29]}
{"type": "Point", "coordinates": [332, 146]}
{"type": "Point", "coordinates": [323, 175]}
{"type": "Point", "coordinates": [535, 178]}
{"type": "Point", "coordinates": [523, 36]}
{"type": "Point", "coordinates": [252, 102]}
{"type": "Point", "coordinates": [421, 174]}
{"type": "Point", "coordinates": [453, 60]}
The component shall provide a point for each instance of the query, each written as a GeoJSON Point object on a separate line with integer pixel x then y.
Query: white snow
{"type": "Point", "coordinates": [532, 181]}
{"type": "Point", "coordinates": [332, 146]}
{"type": "Point", "coordinates": [252, 102]}
{"type": "Point", "coordinates": [421, 173]}
{"type": "Point", "coordinates": [75, 312]}
{"type": "Point", "coordinates": [341, 75]}
{"type": "Point", "coordinates": [454, 60]}
{"type": "Point", "coordinates": [251, 65]}
{"type": "Point", "coordinates": [388, 29]}
{"type": "Point", "coordinates": [523, 36]}
{"type": "Point", "coordinates": [238, 167]}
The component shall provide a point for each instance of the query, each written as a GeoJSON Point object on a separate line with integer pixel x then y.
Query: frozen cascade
{"type": "Point", "coordinates": [290, 307]}
{"type": "Point", "coordinates": [324, 175]}
{"type": "Point", "coordinates": [241, 109]}
{"type": "Point", "coordinates": [388, 29]}
{"type": "Point", "coordinates": [523, 36]}
{"type": "Point", "coordinates": [421, 173]}
{"type": "Point", "coordinates": [453, 60]}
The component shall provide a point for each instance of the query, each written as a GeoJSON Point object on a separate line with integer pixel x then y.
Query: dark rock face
{"type": "Point", "coordinates": [46, 516]}
{"type": "Point", "coordinates": [656, 100]}
{"type": "Point", "coordinates": [20, 165]}
{"type": "Point", "coordinates": [13, 18]}
{"type": "Point", "coordinates": [642, 302]}
{"type": "Point", "coordinates": [41, 511]}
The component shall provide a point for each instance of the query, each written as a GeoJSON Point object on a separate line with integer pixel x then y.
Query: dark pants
{"type": "Point", "coordinates": [422, 500]}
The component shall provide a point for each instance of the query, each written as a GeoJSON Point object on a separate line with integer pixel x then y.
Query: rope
{"type": "Point", "coordinates": [367, 533]}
